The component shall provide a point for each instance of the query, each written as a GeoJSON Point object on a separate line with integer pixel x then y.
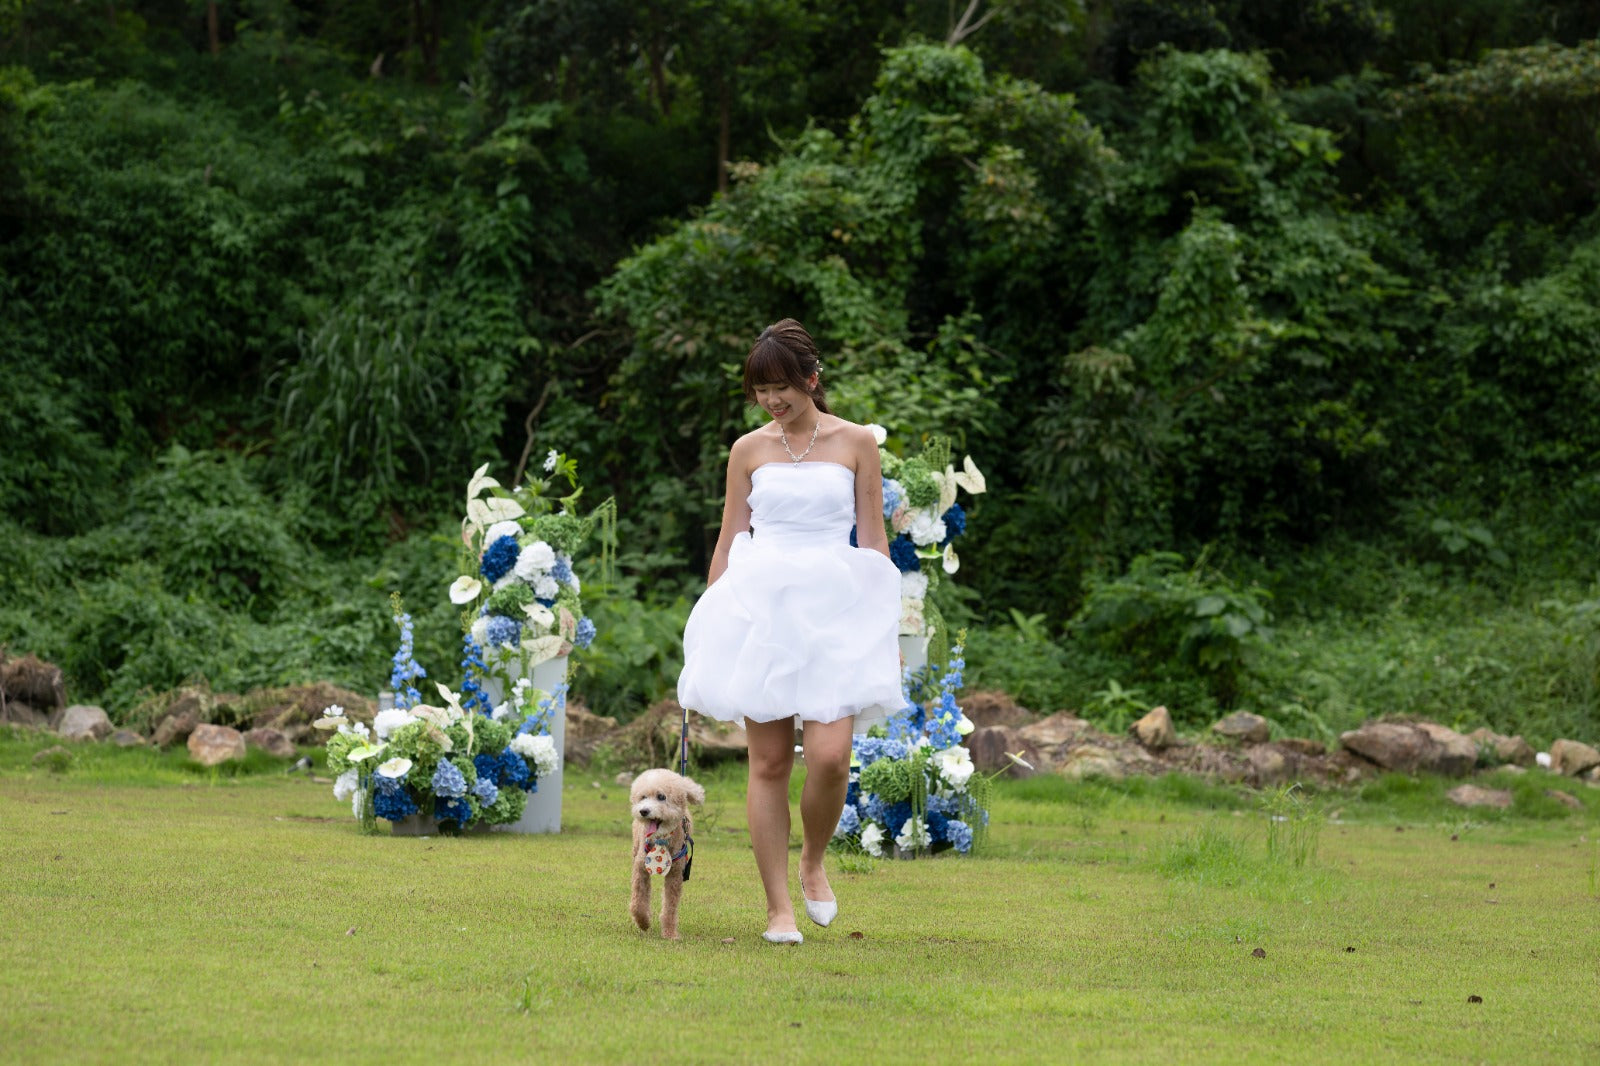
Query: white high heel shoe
{"type": "Point", "coordinates": [819, 911]}
{"type": "Point", "coordinates": [783, 938]}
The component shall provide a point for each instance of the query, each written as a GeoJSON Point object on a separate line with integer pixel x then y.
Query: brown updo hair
{"type": "Point", "coordinates": [785, 352]}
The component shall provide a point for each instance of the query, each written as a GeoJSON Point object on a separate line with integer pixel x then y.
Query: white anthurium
{"type": "Point", "coordinates": [879, 434]}
{"type": "Point", "coordinates": [540, 617]}
{"type": "Point", "coordinates": [366, 751]}
{"type": "Point", "coordinates": [395, 768]}
{"type": "Point", "coordinates": [952, 562]}
{"type": "Point", "coordinates": [331, 723]}
{"type": "Point", "coordinates": [970, 478]}
{"type": "Point", "coordinates": [465, 589]}
{"type": "Point", "coordinates": [568, 624]}
{"type": "Point", "coordinates": [480, 481]}
{"type": "Point", "coordinates": [947, 488]}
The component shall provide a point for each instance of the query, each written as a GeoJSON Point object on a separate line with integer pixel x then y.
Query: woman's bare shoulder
{"type": "Point", "coordinates": [741, 456]}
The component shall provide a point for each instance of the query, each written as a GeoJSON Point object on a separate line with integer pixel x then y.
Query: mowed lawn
{"type": "Point", "coordinates": [247, 920]}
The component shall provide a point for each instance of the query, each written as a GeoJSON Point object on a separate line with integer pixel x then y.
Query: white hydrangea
{"type": "Point", "coordinates": [926, 527]}
{"type": "Point", "coordinates": [913, 835]}
{"type": "Point", "coordinates": [872, 839]}
{"type": "Point", "coordinates": [546, 588]}
{"type": "Point", "coordinates": [480, 631]}
{"type": "Point", "coordinates": [539, 750]}
{"type": "Point", "coordinates": [345, 784]}
{"type": "Point", "coordinates": [500, 529]}
{"type": "Point", "coordinates": [913, 585]}
{"type": "Point", "coordinates": [534, 559]}
{"type": "Point", "coordinates": [388, 721]}
{"type": "Point", "coordinates": [359, 729]}
{"type": "Point", "coordinates": [955, 766]}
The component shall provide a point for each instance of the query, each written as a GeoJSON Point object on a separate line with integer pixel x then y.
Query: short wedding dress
{"type": "Point", "coordinates": [801, 622]}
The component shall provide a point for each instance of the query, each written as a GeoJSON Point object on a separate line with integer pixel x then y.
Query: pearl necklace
{"type": "Point", "coordinates": [813, 444]}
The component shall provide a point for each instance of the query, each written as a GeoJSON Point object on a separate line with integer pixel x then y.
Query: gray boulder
{"type": "Point", "coordinates": [272, 741]}
{"type": "Point", "coordinates": [84, 722]}
{"type": "Point", "coordinates": [175, 728]}
{"type": "Point", "coordinates": [1244, 727]}
{"type": "Point", "coordinates": [1505, 749]}
{"type": "Point", "coordinates": [1478, 796]}
{"type": "Point", "coordinates": [1572, 757]}
{"type": "Point", "coordinates": [212, 745]}
{"type": "Point", "coordinates": [127, 738]}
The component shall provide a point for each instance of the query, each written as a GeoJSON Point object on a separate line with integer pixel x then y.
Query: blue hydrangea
{"type": "Point", "coordinates": [955, 523]}
{"type": "Point", "coordinates": [903, 553]}
{"type": "Point", "coordinates": [849, 822]}
{"type": "Point", "coordinates": [504, 632]}
{"type": "Point", "coordinates": [393, 804]}
{"type": "Point", "coordinates": [960, 834]}
{"type": "Point", "coordinates": [945, 805]}
{"type": "Point", "coordinates": [874, 809]}
{"type": "Point", "coordinates": [448, 782]}
{"type": "Point", "coordinates": [562, 571]}
{"type": "Point", "coordinates": [870, 749]}
{"type": "Point", "coordinates": [895, 816]}
{"type": "Point", "coordinates": [486, 791]}
{"type": "Point", "coordinates": [514, 771]}
{"type": "Point", "coordinates": [852, 792]}
{"type": "Point", "coordinates": [500, 558]}
{"type": "Point", "coordinates": [892, 496]}
{"type": "Point", "coordinates": [585, 634]}
{"type": "Point", "coordinates": [937, 825]}
{"type": "Point", "coordinates": [453, 810]}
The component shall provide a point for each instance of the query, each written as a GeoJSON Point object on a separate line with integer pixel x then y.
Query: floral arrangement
{"type": "Point", "coordinates": [922, 519]}
{"type": "Point", "coordinates": [462, 768]}
{"type": "Point", "coordinates": [912, 784]}
{"type": "Point", "coordinates": [521, 593]}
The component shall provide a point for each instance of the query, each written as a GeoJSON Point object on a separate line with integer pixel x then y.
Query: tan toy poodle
{"type": "Point", "coordinates": [663, 843]}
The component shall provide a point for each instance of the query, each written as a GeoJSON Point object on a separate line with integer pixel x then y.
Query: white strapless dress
{"type": "Point", "coordinates": [800, 623]}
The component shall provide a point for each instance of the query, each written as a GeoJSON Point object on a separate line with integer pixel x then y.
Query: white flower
{"type": "Point", "coordinates": [913, 585]}
{"type": "Point", "coordinates": [501, 529]}
{"type": "Point", "coordinates": [507, 578]}
{"type": "Point", "coordinates": [359, 729]}
{"type": "Point", "coordinates": [965, 726]}
{"type": "Point", "coordinates": [970, 478]}
{"type": "Point", "coordinates": [879, 434]}
{"type": "Point", "coordinates": [551, 458]}
{"type": "Point", "coordinates": [388, 721]}
{"type": "Point", "coordinates": [947, 488]}
{"type": "Point", "coordinates": [545, 587]}
{"type": "Point", "coordinates": [872, 839]}
{"type": "Point", "coordinates": [912, 621]}
{"type": "Point", "coordinates": [1543, 759]}
{"type": "Point", "coordinates": [900, 519]}
{"type": "Point", "coordinates": [955, 766]}
{"type": "Point", "coordinates": [952, 562]}
{"type": "Point", "coordinates": [480, 631]}
{"type": "Point", "coordinates": [333, 711]}
{"type": "Point", "coordinates": [926, 527]}
{"type": "Point", "coordinates": [501, 711]}
{"type": "Point", "coordinates": [465, 589]}
{"type": "Point", "coordinates": [484, 513]}
{"type": "Point", "coordinates": [535, 558]}
{"type": "Point", "coordinates": [913, 835]}
{"type": "Point", "coordinates": [539, 750]}
{"type": "Point", "coordinates": [395, 768]}
{"type": "Point", "coordinates": [345, 784]}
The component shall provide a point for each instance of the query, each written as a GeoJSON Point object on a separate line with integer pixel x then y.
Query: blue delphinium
{"type": "Point", "coordinates": [504, 632]}
{"type": "Point", "coordinates": [392, 802]}
{"type": "Point", "coordinates": [870, 749]}
{"type": "Point", "coordinates": [585, 634]}
{"type": "Point", "coordinates": [960, 834]}
{"type": "Point", "coordinates": [472, 668]}
{"type": "Point", "coordinates": [955, 523]}
{"type": "Point", "coordinates": [406, 668]}
{"type": "Point", "coordinates": [448, 782]}
{"type": "Point", "coordinates": [849, 822]}
{"type": "Point", "coordinates": [500, 558]}
{"type": "Point", "coordinates": [486, 791]}
{"type": "Point", "coordinates": [452, 810]}
{"type": "Point", "coordinates": [903, 553]}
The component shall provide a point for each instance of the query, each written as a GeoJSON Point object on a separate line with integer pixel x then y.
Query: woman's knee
{"type": "Point", "coordinates": [769, 767]}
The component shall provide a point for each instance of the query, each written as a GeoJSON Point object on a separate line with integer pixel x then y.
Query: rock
{"type": "Point", "coordinates": [989, 746]}
{"type": "Point", "coordinates": [1566, 798]}
{"type": "Point", "coordinates": [272, 741]}
{"type": "Point", "coordinates": [1155, 730]}
{"type": "Point", "coordinates": [585, 731]}
{"type": "Point", "coordinates": [1089, 760]}
{"type": "Point", "coordinates": [987, 707]}
{"type": "Point", "coordinates": [1571, 758]}
{"type": "Point", "coordinates": [127, 738]}
{"type": "Point", "coordinates": [33, 681]}
{"type": "Point", "coordinates": [1452, 754]}
{"type": "Point", "coordinates": [1392, 745]}
{"type": "Point", "coordinates": [1503, 749]}
{"type": "Point", "coordinates": [212, 745]}
{"type": "Point", "coordinates": [15, 712]}
{"type": "Point", "coordinates": [1477, 796]}
{"type": "Point", "coordinates": [1244, 727]}
{"type": "Point", "coordinates": [292, 708]}
{"type": "Point", "coordinates": [1268, 766]}
{"type": "Point", "coordinates": [1512, 768]}
{"type": "Point", "coordinates": [175, 728]}
{"type": "Point", "coordinates": [1304, 746]}
{"type": "Point", "coordinates": [83, 722]}
{"type": "Point", "coordinates": [1060, 728]}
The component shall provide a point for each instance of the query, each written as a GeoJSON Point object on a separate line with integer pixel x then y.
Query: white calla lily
{"type": "Point", "coordinates": [952, 562]}
{"type": "Point", "coordinates": [366, 751]}
{"type": "Point", "coordinates": [465, 589]}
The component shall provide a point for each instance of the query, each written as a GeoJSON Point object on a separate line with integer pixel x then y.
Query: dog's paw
{"type": "Point", "coordinates": [642, 919]}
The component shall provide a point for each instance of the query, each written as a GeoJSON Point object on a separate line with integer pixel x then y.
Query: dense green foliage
{"type": "Point", "coordinates": [1227, 299]}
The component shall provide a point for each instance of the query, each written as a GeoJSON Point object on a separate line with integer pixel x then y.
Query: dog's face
{"type": "Point", "coordinates": [663, 797]}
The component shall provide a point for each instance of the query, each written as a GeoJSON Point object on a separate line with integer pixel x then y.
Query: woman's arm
{"type": "Point", "coordinates": [735, 508]}
{"type": "Point", "coordinates": [869, 492]}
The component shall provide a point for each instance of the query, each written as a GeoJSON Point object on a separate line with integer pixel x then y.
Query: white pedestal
{"type": "Point", "coordinates": [543, 814]}
{"type": "Point", "coordinates": [914, 650]}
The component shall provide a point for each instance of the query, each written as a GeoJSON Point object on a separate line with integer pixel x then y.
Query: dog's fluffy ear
{"type": "Point", "coordinates": [693, 791]}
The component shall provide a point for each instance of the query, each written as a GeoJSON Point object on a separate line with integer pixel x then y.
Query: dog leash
{"type": "Point", "coordinates": [683, 771]}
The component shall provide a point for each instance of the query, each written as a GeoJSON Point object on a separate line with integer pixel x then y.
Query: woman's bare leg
{"type": "Point", "coordinates": [767, 809]}
{"type": "Point", "coordinates": [827, 748]}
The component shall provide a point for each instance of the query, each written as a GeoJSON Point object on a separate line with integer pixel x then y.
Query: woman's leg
{"type": "Point", "coordinates": [827, 747]}
{"type": "Point", "coordinates": [767, 809]}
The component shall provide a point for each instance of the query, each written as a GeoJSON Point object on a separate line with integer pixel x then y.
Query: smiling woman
{"type": "Point", "coordinates": [796, 622]}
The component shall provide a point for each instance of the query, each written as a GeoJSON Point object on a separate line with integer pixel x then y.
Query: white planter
{"type": "Point", "coordinates": [543, 813]}
{"type": "Point", "coordinates": [914, 650]}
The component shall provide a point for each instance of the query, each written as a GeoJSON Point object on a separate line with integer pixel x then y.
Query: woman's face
{"type": "Point", "coordinates": [783, 401]}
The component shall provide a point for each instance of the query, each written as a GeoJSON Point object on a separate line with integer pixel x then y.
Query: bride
{"type": "Point", "coordinates": [796, 621]}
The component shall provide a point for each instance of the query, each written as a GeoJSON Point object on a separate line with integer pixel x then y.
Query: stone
{"type": "Point", "coordinates": [212, 745]}
{"type": "Point", "coordinates": [1063, 727]}
{"type": "Point", "coordinates": [1304, 746]}
{"type": "Point", "coordinates": [1452, 754]}
{"type": "Point", "coordinates": [272, 741]}
{"type": "Point", "coordinates": [174, 728]}
{"type": "Point", "coordinates": [33, 681]}
{"type": "Point", "coordinates": [84, 722]}
{"type": "Point", "coordinates": [990, 745]}
{"type": "Point", "coordinates": [1155, 730]}
{"type": "Point", "coordinates": [1391, 745]}
{"type": "Point", "coordinates": [988, 707]}
{"type": "Point", "coordinates": [1512, 768]}
{"type": "Point", "coordinates": [1503, 749]}
{"type": "Point", "coordinates": [1244, 727]}
{"type": "Point", "coordinates": [127, 738]}
{"type": "Point", "coordinates": [1571, 757]}
{"type": "Point", "coordinates": [1090, 760]}
{"type": "Point", "coordinates": [16, 712]}
{"type": "Point", "coordinates": [292, 708]}
{"type": "Point", "coordinates": [1565, 798]}
{"type": "Point", "coordinates": [1268, 766]}
{"type": "Point", "coordinates": [1478, 796]}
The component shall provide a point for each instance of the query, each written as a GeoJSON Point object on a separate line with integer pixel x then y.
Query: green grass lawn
{"type": "Point", "coordinates": [153, 913]}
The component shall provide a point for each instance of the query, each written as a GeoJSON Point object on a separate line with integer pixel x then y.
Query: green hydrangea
{"type": "Point", "coordinates": [507, 808]}
{"type": "Point", "coordinates": [493, 735]}
{"type": "Point", "coordinates": [916, 477]}
{"type": "Point", "coordinates": [889, 778]}
{"type": "Point", "coordinates": [339, 747]}
{"type": "Point", "coordinates": [563, 532]}
{"type": "Point", "coordinates": [510, 600]}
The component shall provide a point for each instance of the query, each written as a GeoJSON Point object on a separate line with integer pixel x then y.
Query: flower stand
{"type": "Point", "coordinates": [543, 814]}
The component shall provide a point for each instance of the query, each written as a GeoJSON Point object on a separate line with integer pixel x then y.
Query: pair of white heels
{"type": "Point", "coordinates": [821, 912]}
